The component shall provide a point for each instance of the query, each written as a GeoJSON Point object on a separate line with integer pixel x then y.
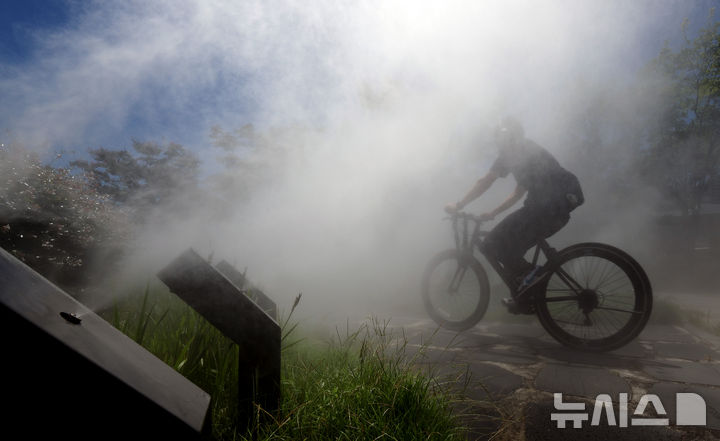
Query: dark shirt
{"type": "Point", "coordinates": [547, 183]}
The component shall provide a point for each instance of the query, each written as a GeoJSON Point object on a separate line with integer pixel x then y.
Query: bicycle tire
{"type": "Point", "coordinates": [622, 288]}
{"type": "Point", "coordinates": [473, 287]}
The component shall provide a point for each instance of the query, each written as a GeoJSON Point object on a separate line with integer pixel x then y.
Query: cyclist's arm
{"type": "Point", "coordinates": [509, 202]}
{"type": "Point", "coordinates": [478, 189]}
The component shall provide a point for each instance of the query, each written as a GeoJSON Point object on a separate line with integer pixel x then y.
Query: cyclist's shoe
{"type": "Point", "coordinates": [531, 278]}
{"type": "Point", "coordinates": [515, 307]}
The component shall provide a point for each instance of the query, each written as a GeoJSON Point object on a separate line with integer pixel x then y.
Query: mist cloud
{"type": "Point", "coordinates": [316, 61]}
{"type": "Point", "coordinates": [397, 99]}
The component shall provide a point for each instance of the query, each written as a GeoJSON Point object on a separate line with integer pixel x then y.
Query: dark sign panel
{"type": "Point", "coordinates": [66, 372]}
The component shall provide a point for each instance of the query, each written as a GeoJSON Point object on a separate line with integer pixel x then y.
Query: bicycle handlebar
{"type": "Point", "coordinates": [464, 239]}
{"type": "Point", "coordinates": [462, 215]}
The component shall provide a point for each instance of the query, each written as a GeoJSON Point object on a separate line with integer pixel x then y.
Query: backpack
{"type": "Point", "coordinates": [573, 193]}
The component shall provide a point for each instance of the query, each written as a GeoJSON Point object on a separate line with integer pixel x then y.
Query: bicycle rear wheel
{"type": "Point", "coordinates": [595, 297]}
{"type": "Point", "coordinates": [455, 290]}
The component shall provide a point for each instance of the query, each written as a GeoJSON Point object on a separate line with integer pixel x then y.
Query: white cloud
{"type": "Point", "coordinates": [396, 86]}
{"type": "Point", "coordinates": [288, 59]}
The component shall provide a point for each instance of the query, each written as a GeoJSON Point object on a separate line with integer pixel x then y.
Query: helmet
{"type": "Point", "coordinates": [509, 131]}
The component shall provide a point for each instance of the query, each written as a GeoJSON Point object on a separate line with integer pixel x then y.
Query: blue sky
{"type": "Point", "coordinates": [20, 18]}
{"type": "Point", "coordinates": [80, 74]}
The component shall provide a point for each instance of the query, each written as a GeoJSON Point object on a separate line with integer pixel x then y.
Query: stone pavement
{"type": "Point", "coordinates": [521, 365]}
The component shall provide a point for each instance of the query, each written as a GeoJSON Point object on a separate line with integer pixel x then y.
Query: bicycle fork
{"type": "Point", "coordinates": [463, 262]}
{"type": "Point", "coordinates": [457, 277]}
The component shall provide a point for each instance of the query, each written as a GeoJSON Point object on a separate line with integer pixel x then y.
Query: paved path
{"type": "Point", "coordinates": [521, 366]}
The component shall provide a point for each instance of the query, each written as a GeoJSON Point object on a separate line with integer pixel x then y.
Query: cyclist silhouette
{"type": "Point", "coordinates": [552, 193]}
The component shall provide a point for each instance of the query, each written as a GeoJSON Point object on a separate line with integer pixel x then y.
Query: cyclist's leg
{"type": "Point", "coordinates": [551, 223]}
{"type": "Point", "coordinates": [509, 240]}
{"type": "Point", "coordinates": [518, 232]}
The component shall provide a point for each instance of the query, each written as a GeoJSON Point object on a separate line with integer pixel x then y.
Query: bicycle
{"type": "Point", "coordinates": [589, 296]}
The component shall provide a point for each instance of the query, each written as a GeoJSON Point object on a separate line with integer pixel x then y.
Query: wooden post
{"type": "Point", "coordinates": [256, 333]}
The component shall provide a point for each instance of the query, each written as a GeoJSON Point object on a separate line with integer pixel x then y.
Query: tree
{"type": "Point", "coordinates": [54, 222]}
{"type": "Point", "coordinates": [681, 90]}
{"type": "Point", "coordinates": [254, 159]}
{"type": "Point", "coordinates": [149, 176]}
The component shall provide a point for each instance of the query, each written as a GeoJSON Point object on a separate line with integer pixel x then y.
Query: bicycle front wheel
{"type": "Point", "coordinates": [596, 297]}
{"type": "Point", "coordinates": [455, 290]}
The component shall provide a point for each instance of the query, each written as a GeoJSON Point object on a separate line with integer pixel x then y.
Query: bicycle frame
{"type": "Point", "coordinates": [467, 242]}
{"type": "Point", "coordinates": [588, 296]}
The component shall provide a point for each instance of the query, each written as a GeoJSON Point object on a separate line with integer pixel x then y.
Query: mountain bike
{"type": "Point", "coordinates": [589, 296]}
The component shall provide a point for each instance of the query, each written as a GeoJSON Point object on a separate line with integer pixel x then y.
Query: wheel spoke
{"type": "Point", "coordinates": [604, 308]}
{"type": "Point", "coordinates": [457, 278]}
{"type": "Point", "coordinates": [455, 291]}
{"type": "Point", "coordinates": [568, 281]}
{"type": "Point", "coordinates": [562, 299]}
{"type": "Point", "coordinates": [564, 322]}
{"type": "Point", "coordinates": [601, 282]}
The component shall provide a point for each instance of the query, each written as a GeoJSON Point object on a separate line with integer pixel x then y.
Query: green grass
{"type": "Point", "coordinates": [674, 312]}
{"type": "Point", "coordinates": [176, 334]}
{"type": "Point", "coordinates": [359, 385]}
{"type": "Point", "coordinates": [668, 313]}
